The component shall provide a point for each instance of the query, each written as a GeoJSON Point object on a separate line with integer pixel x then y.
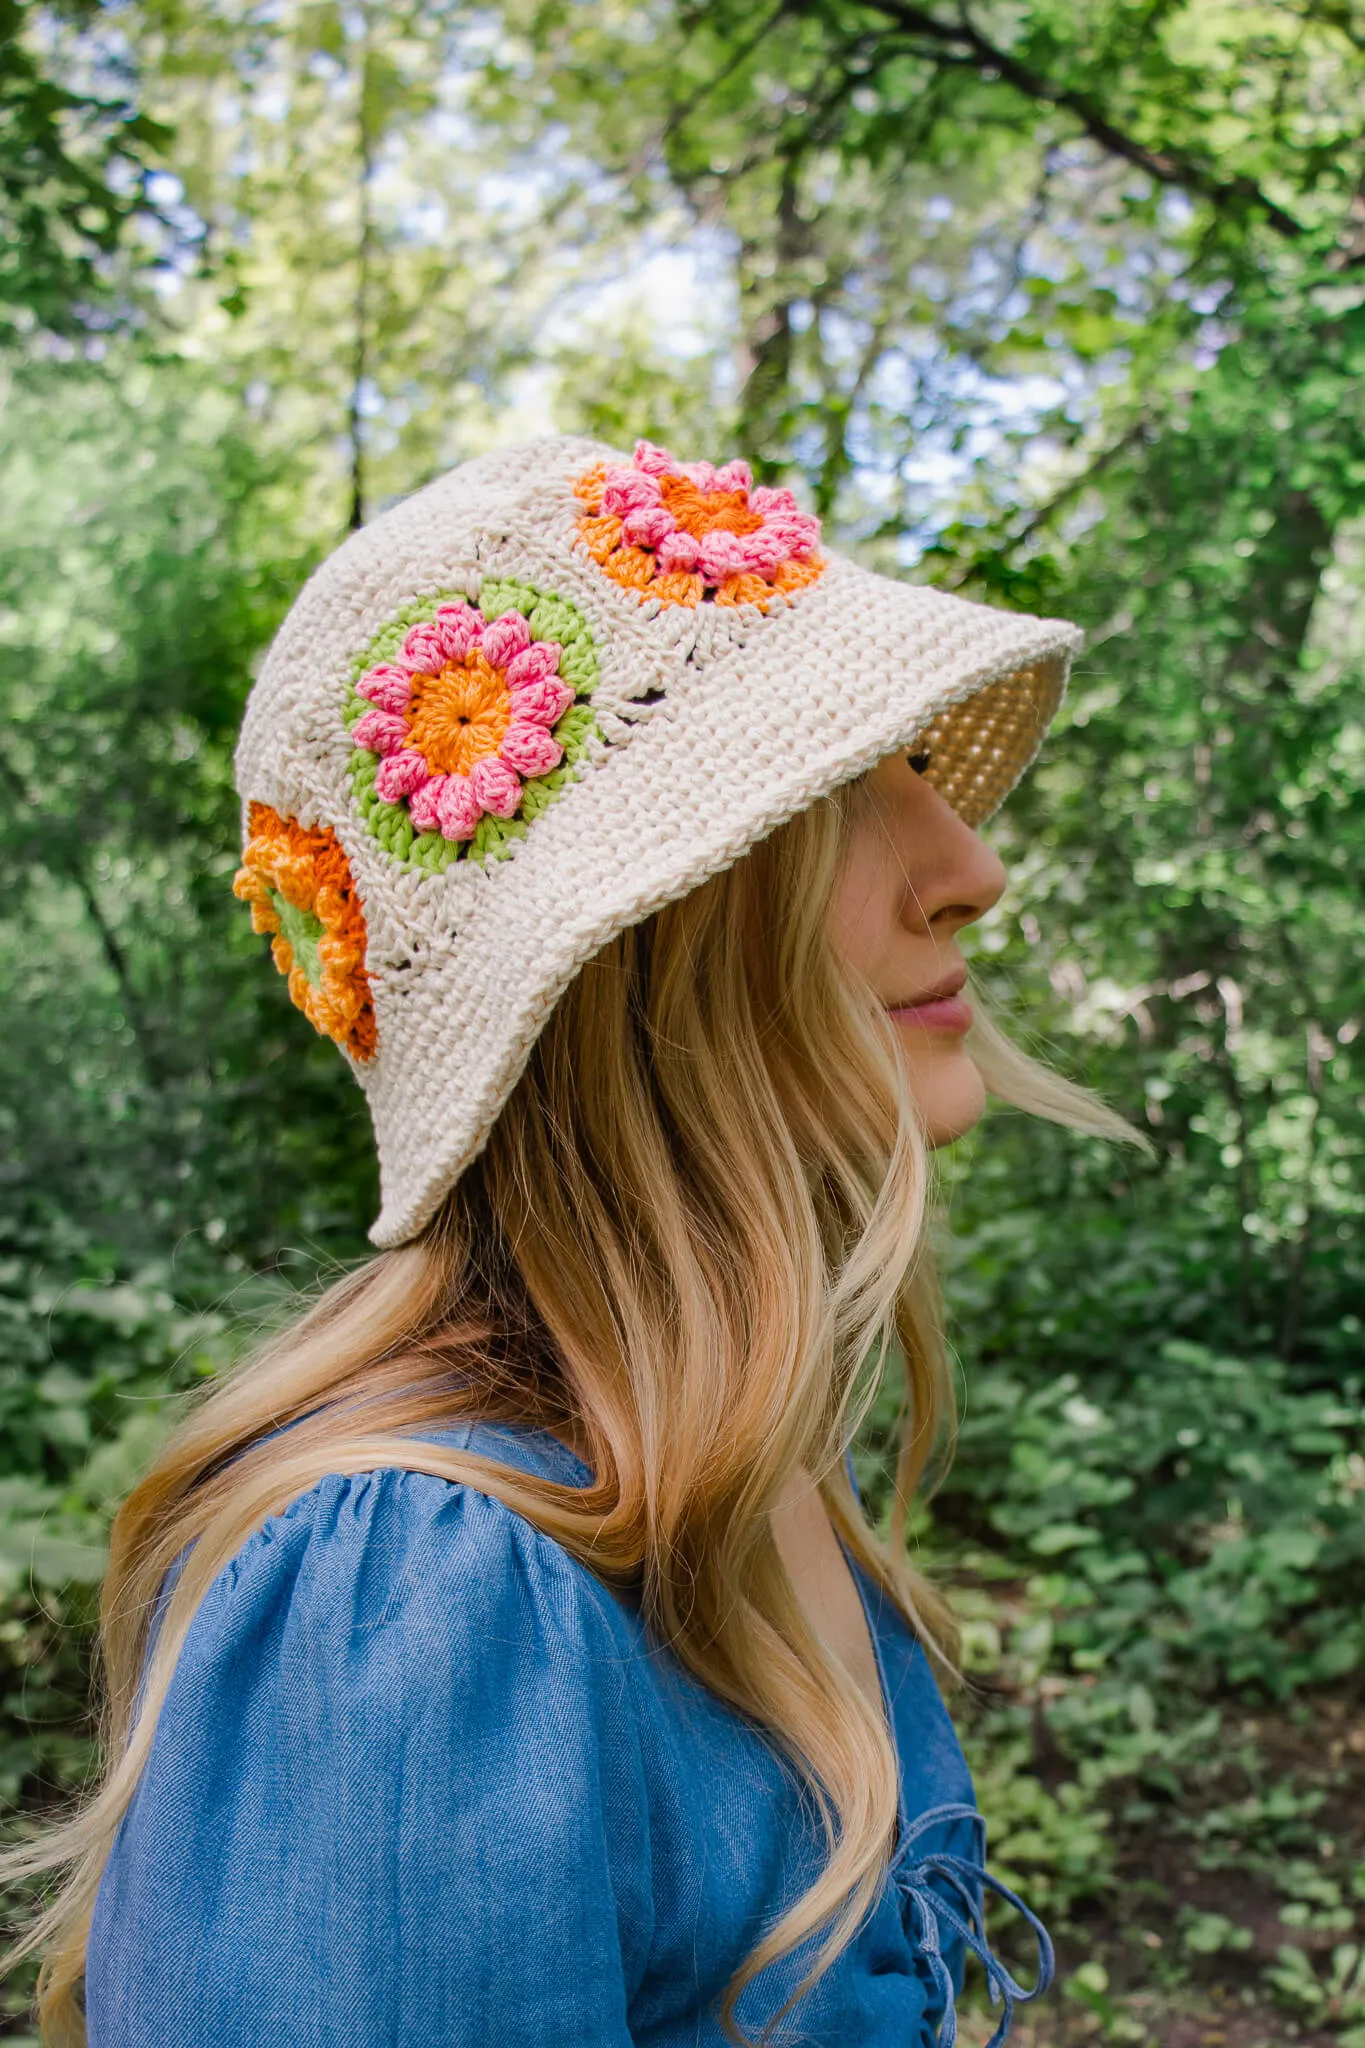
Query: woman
{"type": "Point", "coordinates": [503, 1656]}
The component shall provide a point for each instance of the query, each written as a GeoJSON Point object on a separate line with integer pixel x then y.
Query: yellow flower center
{"type": "Point", "coordinates": [459, 716]}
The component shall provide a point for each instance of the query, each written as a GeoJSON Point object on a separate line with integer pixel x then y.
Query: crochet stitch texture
{"type": "Point", "coordinates": [555, 690]}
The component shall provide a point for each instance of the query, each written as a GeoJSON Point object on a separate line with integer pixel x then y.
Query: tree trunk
{"type": "Point", "coordinates": [768, 346]}
{"type": "Point", "coordinates": [360, 362]}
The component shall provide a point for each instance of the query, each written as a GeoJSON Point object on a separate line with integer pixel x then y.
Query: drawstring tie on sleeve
{"type": "Point", "coordinates": [967, 1880]}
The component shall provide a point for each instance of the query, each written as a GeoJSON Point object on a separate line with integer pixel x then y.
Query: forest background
{"type": "Point", "coordinates": [1056, 302]}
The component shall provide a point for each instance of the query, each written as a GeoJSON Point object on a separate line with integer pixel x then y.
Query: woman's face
{"type": "Point", "coordinates": [914, 875]}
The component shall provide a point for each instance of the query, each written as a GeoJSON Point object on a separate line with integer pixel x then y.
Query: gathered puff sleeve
{"type": "Point", "coordinates": [395, 1795]}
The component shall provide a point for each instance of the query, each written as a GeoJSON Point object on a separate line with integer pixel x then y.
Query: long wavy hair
{"type": "Point", "coordinates": [693, 1246]}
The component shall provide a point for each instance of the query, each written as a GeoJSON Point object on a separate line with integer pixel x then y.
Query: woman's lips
{"type": "Point", "coordinates": [945, 1009]}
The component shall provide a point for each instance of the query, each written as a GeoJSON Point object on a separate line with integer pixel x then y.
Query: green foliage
{"type": "Point", "coordinates": [1203, 1524]}
{"type": "Point", "coordinates": [73, 174]}
{"type": "Point", "coordinates": [93, 1358]}
{"type": "Point", "coordinates": [148, 1049]}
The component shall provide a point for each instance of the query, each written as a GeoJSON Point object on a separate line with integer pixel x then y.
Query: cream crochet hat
{"type": "Point", "coordinates": [537, 700]}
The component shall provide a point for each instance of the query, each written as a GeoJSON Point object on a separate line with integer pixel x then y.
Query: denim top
{"type": "Point", "coordinates": [422, 1781]}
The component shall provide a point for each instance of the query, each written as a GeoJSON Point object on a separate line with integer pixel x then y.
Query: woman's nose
{"type": "Point", "coordinates": [953, 876]}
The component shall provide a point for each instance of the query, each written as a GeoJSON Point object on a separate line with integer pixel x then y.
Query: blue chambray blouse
{"type": "Point", "coordinates": [421, 1781]}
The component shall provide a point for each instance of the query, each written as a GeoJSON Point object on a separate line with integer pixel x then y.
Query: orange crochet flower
{"type": "Point", "coordinates": [689, 533]}
{"type": "Point", "coordinates": [301, 891]}
{"type": "Point", "coordinates": [460, 715]}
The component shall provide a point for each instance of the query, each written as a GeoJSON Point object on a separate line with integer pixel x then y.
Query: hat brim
{"type": "Point", "coordinates": [780, 712]}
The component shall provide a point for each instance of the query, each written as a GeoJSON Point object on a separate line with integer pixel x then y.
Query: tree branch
{"type": "Point", "coordinates": [1167, 167]}
{"type": "Point", "coordinates": [113, 952]}
{"type": "Point", "coordinates": [1042, 514]}
{"type": "Point", "coordinates": [1291, 1324]}
{"type": "Point", "coordinates": [837, 461]}
{"type": "Point", "coordinates": [683, 112]}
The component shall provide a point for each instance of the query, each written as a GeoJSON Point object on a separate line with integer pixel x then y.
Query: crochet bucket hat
{"type": "Point", "coordinates": [539, 699]}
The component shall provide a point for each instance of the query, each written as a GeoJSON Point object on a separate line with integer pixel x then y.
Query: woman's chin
{"type": "Point", "coordinates": [948, 1090]}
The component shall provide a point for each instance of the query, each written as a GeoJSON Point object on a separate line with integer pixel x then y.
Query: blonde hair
{"type": "Point", "coordinates": [693, 1245]}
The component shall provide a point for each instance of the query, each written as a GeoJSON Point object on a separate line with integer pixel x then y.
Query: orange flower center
{"type": "Point", "coordinates": [459, 716]}
{"type": "Point", "coordinates": [701, 512]}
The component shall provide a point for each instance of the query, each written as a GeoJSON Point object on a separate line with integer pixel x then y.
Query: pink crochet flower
{"type": "Point", "coordinates": [686, 531]}
{"type": "Point", "coordinates": [462, 717]}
